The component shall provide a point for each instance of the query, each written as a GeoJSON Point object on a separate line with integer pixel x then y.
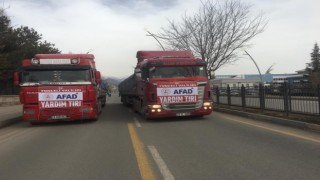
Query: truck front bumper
{"type": "Point", "coordinates": [168, 113]}
{"type": "Point", "coordinates": [34, 114]}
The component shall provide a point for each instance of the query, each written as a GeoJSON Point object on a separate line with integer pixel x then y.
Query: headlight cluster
{"type": "Point", "coordinates": [29, 111]}
{"type": "Point", "coordinates": [75, 61]}
{"type": "Point", "coordinates": [35, 61]}
{"type": "Point", "coordinates": [207, 105]}
{"type": "Point", "coordinates": [155, 108]}
{"type": "Point", "coordinates": [86, 109]}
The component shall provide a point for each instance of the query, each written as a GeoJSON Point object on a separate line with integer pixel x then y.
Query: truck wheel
{"type": "Point", "coordinates": [98, 110]}
{"type": "Point", "coordinates": [135, 106]}
{"type": "Point", "coordinates": [124, 100]}
{"type": "Point", "coordinates": [103, 103]}
{"type": "Point", "coordinates": [144, 114]}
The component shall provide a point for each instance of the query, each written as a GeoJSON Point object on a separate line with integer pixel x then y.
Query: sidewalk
{"type": "Point", "coordinates": [10, 114]}
{"type": "Point", "coordinates": [271, 119]}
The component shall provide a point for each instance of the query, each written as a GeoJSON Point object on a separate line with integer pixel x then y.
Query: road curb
{"type": "Point", "coordinates": [7, 122]}
{"type": "Point", "coordinates": [272, 119]}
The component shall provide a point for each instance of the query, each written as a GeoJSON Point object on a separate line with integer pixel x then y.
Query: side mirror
{"type": "Point", "coordinates": [137, 70]}
{"type": "Point", "coordinates": [16, 80]}
{"type": "Point", "coordinates": [98, 77]}
{"type": "Point", "coordinates": [152, 69]}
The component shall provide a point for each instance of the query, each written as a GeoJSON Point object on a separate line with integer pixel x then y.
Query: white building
{"type": "Point", "coordinates": [234, 83]}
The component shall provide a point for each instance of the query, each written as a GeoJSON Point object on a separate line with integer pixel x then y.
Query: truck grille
{"type": "Point", "coordinates": [187, 106]}
{"type": "Point", "coordinates": [56, 111]}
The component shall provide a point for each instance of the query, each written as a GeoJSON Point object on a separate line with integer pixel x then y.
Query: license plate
{"type": "Point", "coordinates": [182, 114]}
{"type": "Point", "coordinates": [59, 117]}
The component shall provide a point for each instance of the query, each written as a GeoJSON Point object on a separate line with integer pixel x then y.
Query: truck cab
{"type": "Point", "coordinates": [60, 87]}
{"type": "Point", "coordinates": [168, 84]}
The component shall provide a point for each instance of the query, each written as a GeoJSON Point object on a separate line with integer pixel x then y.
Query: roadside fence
{"type": "Point", "coordinates": [301, 98]}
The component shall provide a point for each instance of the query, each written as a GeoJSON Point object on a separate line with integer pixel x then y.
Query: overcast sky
{"type": "Point", "coordinates": [114, 30]}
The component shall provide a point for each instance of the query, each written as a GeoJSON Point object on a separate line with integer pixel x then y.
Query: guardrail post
{"type": "Point", "coordinates": [229, 95]}
{"type": "Point", "coordinates": [318, 98]}
{"type": "Point", "coordinates": [285, 98]}
{"type": "Point", "coordinates": [261, 97]}
{"type": "Point", "coordinates": [289, 89]}
{"type": "Point", "coordinates": [218, 95]}
{"type": "Point", "coordinates": [243, 96]}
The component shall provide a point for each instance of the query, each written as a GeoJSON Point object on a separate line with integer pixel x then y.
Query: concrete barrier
{"type": "Point", "coordinates": [6, 100]}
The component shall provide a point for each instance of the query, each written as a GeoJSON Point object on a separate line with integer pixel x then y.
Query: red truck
{"type": "Point", "coordinates": [167, 84]}
{"type": "Point", "coordinates": [60, 87]}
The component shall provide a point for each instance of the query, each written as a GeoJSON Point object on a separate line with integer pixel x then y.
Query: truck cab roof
{"type": "Point", "coordinates": [142, 55]}
{"type": "Point", "coordinates": [65, 56]}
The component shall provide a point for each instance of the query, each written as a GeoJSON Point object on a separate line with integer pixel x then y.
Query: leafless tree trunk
{"type": "Point", "coordinates": [215, 33]}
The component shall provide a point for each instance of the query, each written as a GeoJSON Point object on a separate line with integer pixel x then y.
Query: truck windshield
{"type": "Point", "coordinates": [55, 76]}
{"type": "Point", "coordinates": [170, 72]}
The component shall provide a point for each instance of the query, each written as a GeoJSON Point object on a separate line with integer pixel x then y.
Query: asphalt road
{"type": "Point", "coordinates": [121, 145]}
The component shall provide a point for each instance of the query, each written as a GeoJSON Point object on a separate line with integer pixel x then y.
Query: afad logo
{"type": "Point", "coordinates": [183, 91]}
{"type": "Point", "coordinates": [67, 96]}
{"type": "Point", "coordinates": [47, 96]}
{"type": "Point", "coordinates": [165, 91]}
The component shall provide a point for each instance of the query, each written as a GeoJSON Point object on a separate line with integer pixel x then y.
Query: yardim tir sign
{"type": "Point", "coordinates": [177, 92]}
{"type": "Point", "coordinates": [59, 99]}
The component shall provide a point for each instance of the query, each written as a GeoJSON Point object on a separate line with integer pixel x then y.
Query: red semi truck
{"type": "Point", "coordinates": [168, 84]}
{"type": "Point", "coordinates": [60, 87]}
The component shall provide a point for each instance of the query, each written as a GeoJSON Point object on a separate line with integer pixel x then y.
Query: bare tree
{"type": "Point", "coordinates": [216, 32]}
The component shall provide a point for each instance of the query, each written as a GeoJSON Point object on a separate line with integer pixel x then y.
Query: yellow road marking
{"type": "Point", "coordinates": [277, 131]}
{"type": "Point", "coordinates": [13, 134]}
{"type": "Point", "coordinates": [145, 169]}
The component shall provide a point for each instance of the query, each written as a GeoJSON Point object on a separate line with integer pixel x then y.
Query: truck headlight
{"type": "Point", "coordinates": [207, 104]}
{"type": "Point", "coordinates": [35, 61]}
{"type": "Point", "coordinates": [75, 61]}
{"type": "Point", "coordinates": [155, 106]}
{"type": "Point", "coordinates": [28, 111]}
{"type": "Point", "coordinates": [86, 109]}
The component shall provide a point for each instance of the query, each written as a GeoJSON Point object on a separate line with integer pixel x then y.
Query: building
{"type": "Point", "coordinates": [249, 80]}
{"type": "Point", "coordinates": [290, 79]}
{"type": "Point", "coordinates": [234, 83]}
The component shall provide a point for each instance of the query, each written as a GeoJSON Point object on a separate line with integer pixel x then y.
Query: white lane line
{"type": "Point", "coordinates": [161, 164]}
{"type": "Point", "coordinates": [137, 122]}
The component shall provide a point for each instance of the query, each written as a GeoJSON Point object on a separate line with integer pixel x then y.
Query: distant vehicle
{"type": "Point", "coordinates": [222, 91]}
{"type": "Point", "coordinates": [234, 92]}
{"type": "Point", "coordinates": [252, 92]}
{"type": "Point", "coordinates": [60, 87]}
{"type": "Point", "coordinates": [168, 84]}
{"type": "Point", "coordinates": [297, 92]}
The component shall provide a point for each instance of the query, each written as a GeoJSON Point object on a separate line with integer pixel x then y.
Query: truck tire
{"type": "Point", "coordinates": [103, 102]}
{"type": "Point", "coordinates": [143, 111]}
{"type": "Point", "coordinates": [98, 110]}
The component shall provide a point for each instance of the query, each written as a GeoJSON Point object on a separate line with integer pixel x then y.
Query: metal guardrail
{"type": "Point", "coordinates": [9, 100]}
{"type": "Point", "coordinates": [285, 98]}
